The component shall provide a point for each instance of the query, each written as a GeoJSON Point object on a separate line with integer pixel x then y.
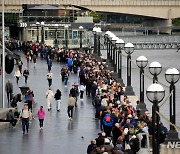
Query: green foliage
{"type": "Point", "coordinates": [176, 22]}
{"type": "Point", "coordinates": [96, 16]}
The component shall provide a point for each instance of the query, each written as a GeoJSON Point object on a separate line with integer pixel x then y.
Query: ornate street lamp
{"type": "Point", "coordinates": [80, 35]}
{"type": "Point", "coordinates": [129, 49]}
{"type": "Point", "coordinates": [66, 35]}
{"type": "Point", "coordinates": [56, 42]}
{"type": "Point", "coordinates": [42, 31]}
{"type": "Point", "coordinates": [120, 45]}
{"type": "Point", "coordinates": [106, 42]}
{"type": "Point", "coordinates": [95, 39]}
{"type": "Point", "coordinates": [155, 69]}
{"type": "Point", "coordinates": [142, 62]}
{"type": "Point", "coordinates": [37, 26]}
{"type": "Point", "coordinates": [98, 31]}
{"type": "Point", "coordinates": [172, 76]}
{"type": "Point", "coordinates": [114, 62]}
{"type": "Point", "coordinates": [155, 94]}
{"type": "Point", "coordinates": [111, 35]}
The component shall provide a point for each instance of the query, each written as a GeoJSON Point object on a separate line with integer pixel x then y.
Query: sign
{"type": "Point", "coordinates": [23, 24]}
{"type": "Point", "coordinates": [173, 145]}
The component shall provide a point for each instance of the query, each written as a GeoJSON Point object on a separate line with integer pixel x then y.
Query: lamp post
{"type": "Point", "coordinates": [106, 42]}
{"type": "Point", "coordinates": [95, 39]}
{"type": "Point", "coordinates": [98, 31]}
{"type": "Point", "coordinates": [172, 76]}
{"type": "Point", "coordinates": [114, 62]}
{"type": "Point", "coordinates": [42, 31]}
{"type": "Point", "coordinates": [37, 26]}
{"type": "Point", "coordinates": [80, 34]}
{"type": "Point", "coordinates": [129, 49]}
{"type": "Point", "coordinates": [142, 62]}
{"type": "Point", "coordinates": [111, 35]}
{"type": "Point", "coordinates": [155, 69]}
{"type": "Point", "coordinates": [55, 41]}
{"type": "Point", "coordinates": [66, 36]}
{"type": "Point", "coordinates": [120, 45]}
{"type": "Point", "coordinates": [155, 94]}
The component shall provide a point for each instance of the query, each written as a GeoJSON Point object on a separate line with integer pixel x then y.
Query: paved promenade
{"type": "Point", "coordinates": [60, 135]}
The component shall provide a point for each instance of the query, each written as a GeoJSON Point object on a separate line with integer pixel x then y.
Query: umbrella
{"type": "Point", "coordinates": [24, 90]}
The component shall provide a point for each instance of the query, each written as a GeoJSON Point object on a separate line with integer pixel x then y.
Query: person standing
{"type": "Point", "coordinates": [49, 78]}
{"type": "Point", "coordinates": [26, 115]}
{"type": "Point", "coordinates": [17, 74]}
{"type": "Point", "coordinates": [71, 104]}
{"type": "Point", "coordinates": [82, 89]}
{"type": "Point", "coordinates": [49, 96]}
{"type": "Point", "coordinates": [9, 91]}
{"type": "Point", "coordinates": [26, 74]}
{"type": "Point", "coordinates": [57, 97]}
{"type": "Point", "coordinates": [41, 114]}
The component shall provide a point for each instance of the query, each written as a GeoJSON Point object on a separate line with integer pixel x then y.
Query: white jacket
{"type": "Point", "coordinates": [49, 94]}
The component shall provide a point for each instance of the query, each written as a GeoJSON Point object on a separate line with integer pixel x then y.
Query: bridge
{"type": "Point", "coordinates": [163, 9]}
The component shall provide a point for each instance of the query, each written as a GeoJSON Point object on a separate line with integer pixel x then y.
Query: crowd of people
{"type": "Point", "coordinates": [121, 122]}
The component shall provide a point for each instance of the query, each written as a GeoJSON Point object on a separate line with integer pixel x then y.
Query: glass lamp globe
{"type": "Point", "coordinates": [129, 48]}
{"type": "Point", "coordinates": [155, 68]}
{"type": "Point", "coordinates": [172, 75]}
{"type": "Point", "coordinates": [155, 92]}
{"type": "Point", "coordinates": [81, 28]}
{"type": "Point", "coordinates": [141, 61]}
{"type": "Point", "coordinates": [120, 43]}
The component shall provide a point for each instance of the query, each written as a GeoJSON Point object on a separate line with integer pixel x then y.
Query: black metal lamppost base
{"type": "Point", "coordinates": [129, 91]}
{"type": "Point", "coordinates": [172, 136]}
{"type": "Point", "coordinates": [142, 107]}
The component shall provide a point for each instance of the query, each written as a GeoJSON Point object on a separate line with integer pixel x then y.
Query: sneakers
{"type": "Point", "coordinates": [70, 118]}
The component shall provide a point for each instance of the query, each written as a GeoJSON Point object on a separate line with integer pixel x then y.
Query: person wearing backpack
{"type": "Point", "coordinates": [26, 116]}
{"type": "Point", "coordinates": [108, 123]}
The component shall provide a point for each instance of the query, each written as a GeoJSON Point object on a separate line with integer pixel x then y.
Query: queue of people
{"type": "Point", "coordinates": [121, 123]}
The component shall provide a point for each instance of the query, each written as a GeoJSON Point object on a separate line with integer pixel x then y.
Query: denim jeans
{"type": "Point", "coordinates": [25, 124]}
{"type": "Point", "coordinates": [65, 81]}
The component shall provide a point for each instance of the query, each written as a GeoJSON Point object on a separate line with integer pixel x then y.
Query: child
{"type": "Point", "coordinates": [41, 114]}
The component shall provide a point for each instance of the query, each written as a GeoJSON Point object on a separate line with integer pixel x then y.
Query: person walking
{"type": "Point", "coordinates": [9, 91]}
{"type": "Point", "coordinates": [41, 114]}
{"type": "Point", "coordinates": [71, 104]}
{"type": "Point", "coordinates": [26, 74]}
{"type": "Point", "coordinates": [26, 115]}
{"type": "Point", "coordinates": [20, 63]}
{"type": "Point", "coordinates": [49, 63]}
{"type": "Point", "coordinates": [34, 60]}
{"type": "Point", "coordinates": [49, 96]}
{"type": "Point", "coordinates": [49, 78]}
{"type": "Point", "coordinates": [57, 97]}
{"type": "Point", "coordinates": [66, 74]}
{"type": "Point", "coordinates": [82, 89]}
{"type": "Point", "coordinates": [29, 98]}
{"type": "Point", "coordinates": [17, 74]}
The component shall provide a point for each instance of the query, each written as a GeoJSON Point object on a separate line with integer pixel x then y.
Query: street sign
{"type": "Point", "coordinates": [23, 24]}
